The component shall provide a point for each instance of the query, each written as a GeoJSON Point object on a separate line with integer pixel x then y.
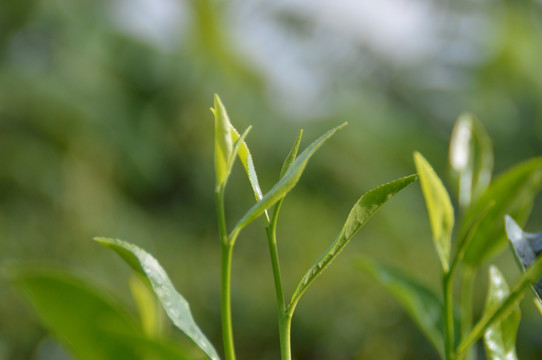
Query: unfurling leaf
{"type": "Point", "coordinates": [439, 207]}
{"type": "Point", "coordinates": [223, 140]}
{"type": "Point", "coordinates": [471, 157]}
{"type": "Point", "coordinates": [286, 182]}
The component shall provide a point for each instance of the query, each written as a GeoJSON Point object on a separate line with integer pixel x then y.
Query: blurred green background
{"type": "Point", "coordinates": [105, 129]}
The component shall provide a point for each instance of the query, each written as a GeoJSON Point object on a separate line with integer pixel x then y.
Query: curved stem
{"type": "Point", "coordinates": [285, 319]}
{"type": "Point", "coordinates": [226, 246]}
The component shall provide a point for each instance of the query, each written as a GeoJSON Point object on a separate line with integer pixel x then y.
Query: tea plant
{"type": "Point", "coordinates": [479, 236]}
{"type": "Point", "coordinates": [93, 326]}
{"type": "Point", "coordinates": [84, 341]}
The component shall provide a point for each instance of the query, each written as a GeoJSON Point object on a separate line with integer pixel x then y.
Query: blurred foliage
{"type": "Point", "coordinates": [105, 130]}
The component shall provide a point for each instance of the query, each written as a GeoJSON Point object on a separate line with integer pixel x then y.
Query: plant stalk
{"type": "Point", "coordinates": [448, 314]}
{"type": "Point", "coordinates": [226, 246]}
{"type": "Point", "coordinates": [467, 292]}
{"type": "Point", "coordinates": [285, 319]}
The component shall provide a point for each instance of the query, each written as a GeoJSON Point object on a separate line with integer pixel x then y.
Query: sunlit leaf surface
{"type": "Point", "coordinates": [500, 338]}
{"type": "Point", "coordinates": [175, 305]}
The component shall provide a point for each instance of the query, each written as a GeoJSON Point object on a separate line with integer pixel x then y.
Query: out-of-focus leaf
{"type": "Point", "coordinates": [439, 207]}
{"type": "Point", "coordinates": [223, 140]}
{"type": "Point", "coordinates": [149, 312]}
{"type": "Point", "coordinates": [511, 193]}
{"type": "Point", "coordinates": [494, 316]}
{"type": "Point", "coordinates": [538, 304]}
{"type": "Point", "coordinates": [500, 338]}
{"type": "Point", "coordinates": [471, 157]}
{"type": "Point", "coordinates": [361, 212]}
{"type": "Point", "coordinates": [286, 183]}
{"type": "Point", "coordinates": [175, 305]}
{"type": "Point", "coordinates": [419, 302]}
{"type": "Point", "coordinates": [89, 323]}
{"type": "Point", "coordinates": [526, 247]}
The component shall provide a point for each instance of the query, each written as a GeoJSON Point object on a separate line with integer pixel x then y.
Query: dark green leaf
{"type": "Point", "coordinates": [360, 213]}
{"type": "Point", "coordinates": [419, 302]}
{"type": "Point", "coordinates": [291, 155]}
{"type": "Point", "coordinates": [286, 183]}
{"type": "Point", "coordinates": [175, 305]}
{"type": "Point", "coordinates": [500, 338]}
{"type": "Point", "coordinates": [439, 207]}
{"type": "Point", "coordinates": [511, 193]}
{"type": "Point", "coordinates": [90, 324]}
{"type": "Point", "coordinates": [471, 157]}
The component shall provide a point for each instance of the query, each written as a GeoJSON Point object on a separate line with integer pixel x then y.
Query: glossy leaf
{"type": "Point", "coordinates": [90, 324]}
{"type": "Point", "coordinates": [223, 140]}
{"type": "Point", "coordinates": [526, 248]}
{"type": "Point", "coordinates": [494, 316]}
{"type": "Point", "coordinates": [471, 157]}
{"type": "Point", "coordinates": [439, 207]}
{"type": "Point", "coordinates": [360, 213]}
{"type": "Point", "coordinates": [248, 164]}
{"type": "Point", "coordinates": [235, 151]}
{"type": "Point", "coordinates": [175, 305]}
{"type": "Point", "coordinates": [511, 193]}
{"type": "Point", "coordinates": [286, 183]}
{"type": "Point", "coordinates": [421, 304]}
{"type": "Point", "coordinates": [538, 304]}
{"type": "Point", "coordinates": [500, 338]}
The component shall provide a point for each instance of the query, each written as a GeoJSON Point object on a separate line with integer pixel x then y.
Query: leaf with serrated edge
{"type": "Point", "coordinates": [286, 183]}
{"type": "Point", "coordinates": [512, 193]}
{"type": "Point", "coordinates": [422, 305]}
{"type": "Point", "coordinates": [360, 213]}
{"type": "Point", "coordinates": [439, 208]}
{"type": "Point", "coordinates": [175, 305]}
{"type": "Point", "coordinates": [471, 157]}
{"type": "Point", "coordinates": [500, 338]}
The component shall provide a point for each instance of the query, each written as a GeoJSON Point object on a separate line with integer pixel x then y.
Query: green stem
{"type": "Point", "coordinates": [285, 320]}
{"type": "Point", "coordinates": [448, 315]}
{"type": "Point", "coordinates": [225, 302]}
{"type": "Point", "coordinates": [226, 245]}
{"type": "Point", "coordinates": [467, 290]}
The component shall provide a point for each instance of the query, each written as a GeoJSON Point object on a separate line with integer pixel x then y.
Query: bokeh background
{"type": "Point", "coordinates": [105, 129]}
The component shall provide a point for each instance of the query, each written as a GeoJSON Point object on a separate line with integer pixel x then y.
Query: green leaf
{"type": "Point", "coordinates": [237, 146]}
{"type": "Point", "coordinates": [291, 155]}
{"type": "Point", "coordinates": [421, 304]}
{"type": "Point", "coordinates": [248, 164]}
{"type": "Point", "coordinates": [471, 157]}
{"type": "Point", "coordinates": [360, 213]}
{"type": "Point", "coordinates": [500, 338]}
{"type": "Point", "coordinates": [90, 324]}
{"type": "Point", "coordinates": [175, 305]}
{"type": "Point", "coordinates": [286, 183]}
{"type": "Point", "coordinates": [494, 316]}
{"type": "Point", "coordinates": [223, 140]}
{"type": "Point", "coordinates": [526, 247]}
{"type": "Point", "coordinates": [149, 311]}
{"type": "Point", "coordinates": [511, 193]}
{"type": "Point", "coordinates": [439, 207]}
